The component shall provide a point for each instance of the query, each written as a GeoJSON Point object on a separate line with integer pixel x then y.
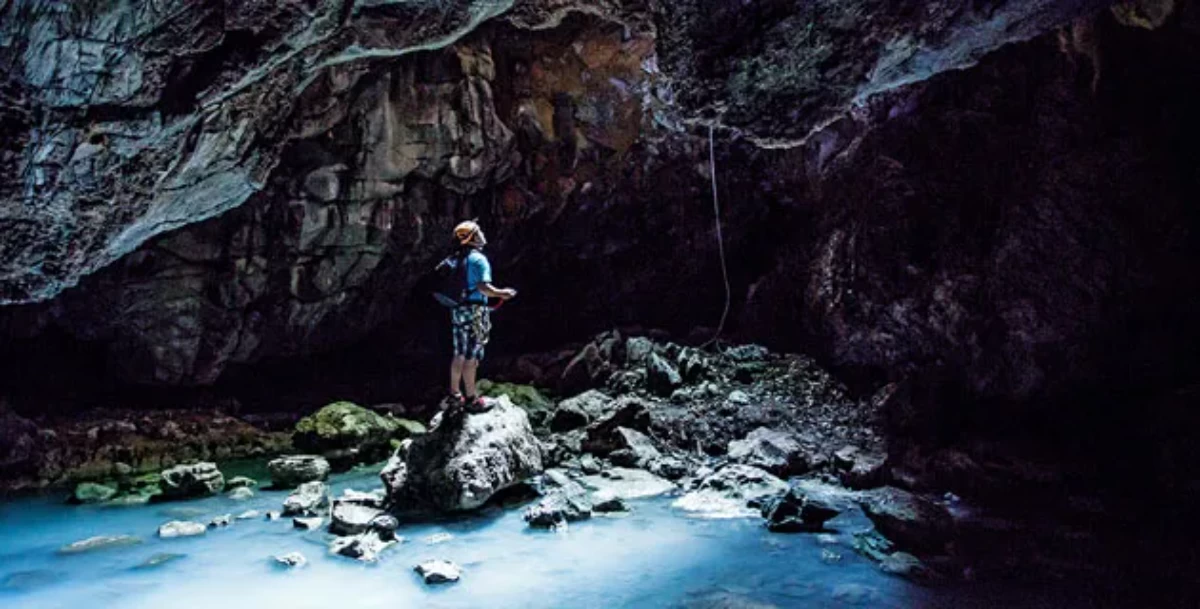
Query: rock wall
{"type": "Point", "coordinates": [978, 232]}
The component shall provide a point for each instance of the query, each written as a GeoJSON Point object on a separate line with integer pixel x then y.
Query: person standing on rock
{"type": "Point", "coordinates": [470, 317]}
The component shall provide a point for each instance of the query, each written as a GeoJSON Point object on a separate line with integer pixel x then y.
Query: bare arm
{"type": "Point", "coordinates": [492, 291]}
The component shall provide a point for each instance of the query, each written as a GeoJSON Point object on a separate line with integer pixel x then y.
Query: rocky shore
{"type": "Point", "coordinates": [725, 432]}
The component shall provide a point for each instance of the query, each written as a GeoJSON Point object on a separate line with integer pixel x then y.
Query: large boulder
{"type": "Point", "coordinates": [911, 521]}
{"type": "Point", "coordinates": [293, 470]}
{"type": "Point", "coordinates": [464, 460]}
{"type": "Point", "coordinates": [194, 480]}
{"type": "Point", "coordinates": [775, 451]}
{"type": "Point", "coordinates": [346, 433]}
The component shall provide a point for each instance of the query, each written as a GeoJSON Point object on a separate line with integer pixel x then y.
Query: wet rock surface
{"type": "Point", "coordinates": [308, 499]}
{"type": "Point", "coordinates": [346, 433]}
{"type": "Point", "coordinates": [190, 481]}
{"type": "Point", "coordinates": [293, 470]}
{"type": "Point", "coordinates": [464, 460]}
{"type": "Point", "coordinates": [181, 528]}
{"type": "Point", "coordinates": [438, 571]}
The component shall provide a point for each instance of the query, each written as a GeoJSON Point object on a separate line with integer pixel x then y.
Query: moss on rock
{"type": "Point", "coordinates": [527, 397]}
{"type": "Point", "coordinates": [345, 431]}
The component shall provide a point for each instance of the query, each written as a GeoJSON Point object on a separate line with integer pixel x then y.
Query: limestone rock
{"type": "Point", "coordinates": [291, 560]}
{"type": "Point", "coordinates": [91, 492]}
{"type": "Point", "coordinates": [911, 521]}
{"type": "Point", "coordinates": [294, 470]}
{"type": "Point", "coordinates": [241, 493]}
{"type": "Point", "coordinates": [348, 433]}
{"type": "Point", "coordinates": [661, 376]}
{"type": "Point", "coordinates": [628, 483]}
{"type": "Point", "coordinates": [100, 542]}
{"type": "Point", "coordinates": [237, 482]}
{"type": "Point", "coordinates": [635, 448]}
{"type": "Point", "coordinates": [308, 524]}
{"type": "Point", "coordinates": [181, 528]}
{"type": "Point", "coordinates": [775, 451]}
{"type": "Point", "coordinates": [731, 492]}
{"type": "Point", "coordinates": [438, 571]}
{"type": "Point", "coordinates": [221, 521]}
{"type": "Point", "coordinates": [461, 463]}
{"type": "Point", "coordinates": [347, 518]}
{"type": "Point", "coordinates": [307, 500]}
{"type": "Point", "coordinates": [580, 410]}
{"type": "Point", "coordinates": [364, 547]}
{"type": "Point", "coordinates": [189, 481]}
{"type": "Point", "coordinates": [795, 512]}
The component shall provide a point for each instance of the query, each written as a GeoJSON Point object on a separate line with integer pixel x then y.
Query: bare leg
{"type": "Point", "coordinates": [469, 369]}
{"type": "Point", "coordinates": [456, 374]}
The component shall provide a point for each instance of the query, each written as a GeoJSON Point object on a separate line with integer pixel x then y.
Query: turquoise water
{"type": "Point", "coordinates": [654, 557]}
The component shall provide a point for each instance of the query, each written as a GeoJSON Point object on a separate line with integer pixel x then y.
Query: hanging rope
{"type": "Point", "coordinates": [712, 172]}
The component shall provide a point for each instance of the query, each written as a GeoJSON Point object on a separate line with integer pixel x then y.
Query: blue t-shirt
{"type": "Point", "coordinates": [479, 270]}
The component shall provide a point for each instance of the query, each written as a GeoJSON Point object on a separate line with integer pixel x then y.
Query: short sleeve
{"type": "Point", "coordinates": [479, 269]}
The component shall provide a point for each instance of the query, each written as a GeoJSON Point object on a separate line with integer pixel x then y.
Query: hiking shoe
{"type": "Point", "coordinates": [477, 404]}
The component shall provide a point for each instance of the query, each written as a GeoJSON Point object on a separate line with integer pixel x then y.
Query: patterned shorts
{"type": "Point", "coordinates": [471, 325]}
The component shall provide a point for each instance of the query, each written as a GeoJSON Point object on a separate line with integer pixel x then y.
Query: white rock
{"type": "Point", "coordinates": [292, 559]}
{"type": "Point", "coordinates": [181, 528]}
{"type": "Point", "coordinates": [438, 571]}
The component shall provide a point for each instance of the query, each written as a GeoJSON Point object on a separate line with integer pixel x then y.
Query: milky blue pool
{"type": "Point", "coordinates": [653, 557]}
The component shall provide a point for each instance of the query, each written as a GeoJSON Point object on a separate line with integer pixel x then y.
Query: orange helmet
{"type": "Point", "coordinates": [466, 231]}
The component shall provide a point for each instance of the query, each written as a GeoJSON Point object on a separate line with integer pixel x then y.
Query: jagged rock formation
{"type": "Point", "coordinates": [274, 181]}
{"type": "Point", "coordinates": [347, 137]}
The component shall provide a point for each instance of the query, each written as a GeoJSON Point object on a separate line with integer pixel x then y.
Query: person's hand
{"type": "Point", "coordinates": [507, 294]}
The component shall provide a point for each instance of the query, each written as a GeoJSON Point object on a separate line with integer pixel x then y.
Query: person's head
{"type": "Point", "coordinates": [469, 234]}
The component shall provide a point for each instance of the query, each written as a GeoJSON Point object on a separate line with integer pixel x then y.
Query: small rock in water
{"type": "Point", "coordinates": [100, 542]}
{"type": "Point", "coordinates": [240, 482]}
{"type": "Point", "coordinates": [606, 502]}
{"type": "Point", "coordinates": [221, 521]}
{"type": "Point", "coordinates": [438, 538]}
{"type": "Point", "coordinates": [194, 480]}
{"type": "Point", "coordinates": [291, 559]}
{"type": "Point", "coordinates": [728, 492]}
{"type": "Point", "coordinates": [365, 547]}
{"type": "Point", "coordinates": [308, 524]}
{"type": "Point", "coordinates": [385, 525]}
{"type": "Point", "coordinates": [796, 512]}
{"type": "Point", "coordinates": [351, 518]}
{"type": "Point", "coordinates": [90, 492]}
{"type": "Point", "coordinates": [241, 493]}
{"type": "Point", "coordinates": [248, 515]}
{"type": "Point", "coordinates": [273, 515]}
{"type": "Point", "coordinates": [307, 500]}
{"type": "Point", "coordinates": [438, 571]}
{"type": "Point", "coordinates": [292, 471]}
{"type": "Point", "coordinates": [158, 560]}
{"type": "Point", "coordinates": [181, 528]}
